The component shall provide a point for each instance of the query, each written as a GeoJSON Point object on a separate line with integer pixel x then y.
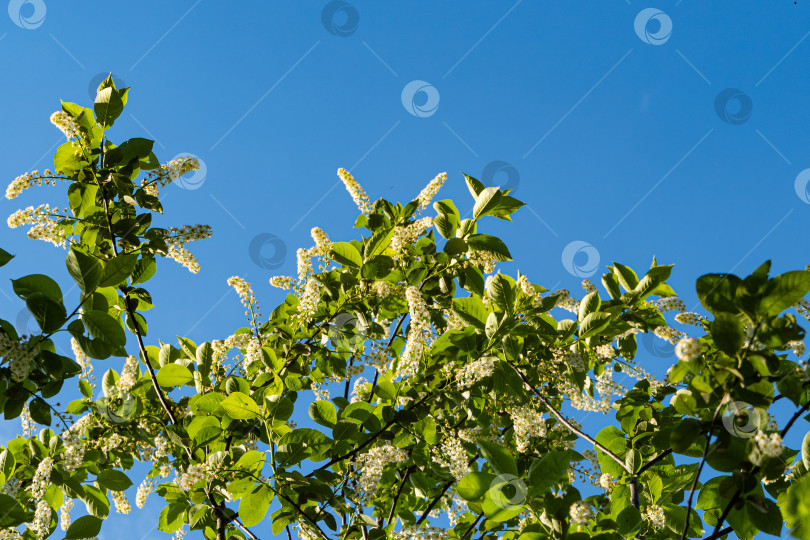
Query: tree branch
{"type": "Point", "coordinates": [566, 423]}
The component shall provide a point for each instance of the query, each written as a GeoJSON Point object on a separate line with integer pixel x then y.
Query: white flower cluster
{"type": "Point", "coordinates": [19, 355]}
{"type": "Point", "coordinates": [668, 334]}
{"type": "Point", "coordinates": [606, 481]}
{"type": "Point", "coordinates": [322, 243]}
{"type": "Point", "coordinates": [525, 285]}
{"type": "Point", "coordinates": [282, 282]}
{"type": "Point", "coordinates": [405, 236]}
{"type": "Point", "coordinates": [418, 333]}
{"type": "Point", "coordinates": [371, 465]}
{"type": "Point", "coordinates": [66, 124]}
{"type": "Point", "coordinates": [419, 532]}
{"type": "Point", "coordinates": [121, 502]}
{"type": "Point", "coordinates": [42, 520]}
{"type": "Point", "coordinates": [453, 457]}
{"type": "Point", "coordinates": [193, 474]}
{"type": "Point", "coordinates": [177, 244]}
{"type": "Point", "coordinates": [688, 317]}
{"type": "Point", "coordinates": [588, 285]}
{"type": "Point", "coordinates": [360, 390]}
{"type": "Point", "coordinates": [129, 375]}
{"type": "Point", "coordinates": [45, 224]}
{"type": "Point", "coordinates": [687, 349]}
{"type": "Point", "coordinates": [433, 187]}
{"type": "Point", "coordinates": [27, 421]}
{"type": "Point", "coordinates": [475, 371]}
{"type": "Point", "coordinates": [605, 352]}
{"type": "Point", "coordinates": [64, 514]}
{"type": "Point", "coordinates": [487, 260]}
{"type": "Point", "coordinates": [308, 302]}
{"type": "Point", "coordinates": [355, 190]}
{"type": "Point", "coordinates": [247, 297]}
{"type": "Point", "coordinates": [528, 423]}
{"type": "Point", "coordinates": [770, 446]}
{"type": "Point", "coordinates": [27, 180]}
{"type": "Point", "coordinates": [655, 514]}
{"type": "Point", "coordinates": [74, 444]}
{"type": "Point", "coordinates": [42, 478]}
{"type": "Point", "coordinates": [797, 347]}
{"type": "Point", "coordinates": [670, 303]}
{"type": "Point", "coordinates": [84, 361]}
{"type": "Point", "coordinates": [581, 513]}
{"type": "Point", "coordinates": [144, 490]}
{"type": "Point", "coordinates": [566, 301]}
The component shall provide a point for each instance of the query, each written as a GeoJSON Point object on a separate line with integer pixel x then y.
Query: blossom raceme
{"type": "Point", "coordinates": [355, 190]}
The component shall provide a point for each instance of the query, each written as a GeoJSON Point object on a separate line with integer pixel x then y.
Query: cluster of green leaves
{"type": "Point", "coordinates": [232, 420]}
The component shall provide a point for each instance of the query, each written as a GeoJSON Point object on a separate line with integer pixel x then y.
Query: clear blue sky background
{"type": "Point", "coordinates": [611, 136]}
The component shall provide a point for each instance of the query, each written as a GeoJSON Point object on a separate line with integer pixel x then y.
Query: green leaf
{"type": "Point", "coordinates": [145, 268]}
{"type": "Point", "coordinates": [593, 324]}
{"type": "Point", "coordinates": [806, 450]}
{"type": "Point", "coordinates": [474, 485]}
{"type": "Point", "coordinates": [784, 291]}
{"type": "Point", "coordinates": [172, 375]}
{"type": "Point", "coordinates": [796, 508]}
{"type": "Point", "coordinates": [717, 292]}
{"type": "Point", "coordinates": [551, 468]}
{"type": "Point", "coordinates": [626, 276]}
{"type": "Point", "coordinates": [7, 463]}
{"type": "Point", "coordinates": [629, 521]}
{"type": "Point", "coordinates": [118, 269]}
{"type": "Point", "coordinates": [172, 517]}
{"type": "Point", "coordinates": [37, 283]}
{"type": "Point", "coordinates": [84, 527]}
{"type": "Point", "coordinates": [486, 242]}
{"type": "Point", "coordinates": [104, 327]}
{"type": "Point", "coordinates": [769, 521]}
{"type": "Point", "coordinates": [727, 332]}
{"type": "Point", "coordinates": [474, 186]}
{"type": "Point", "coordinates": [446, 225]}
{"type": "Point", "coordinates": [589, 304]}
{"type": "Point", "coordinates": [85, 270]}
{"type": "Point", "coordinates": [113, 480]}
{"type": "Point", "coordinates": [254, 505]}
{"type": "Point", "coordinates": [498, 457]}
{"type": "Point", "coordinates": [205, 357]}
{"type": "Point", "coordinates": [324, 413]}
{"type": "Point", "coordinates": [502, 292]}
{"type": "Point", "coordinates": [240, 406]}
{"type": "Point", "coordinates": [49, 313]}
{"type": "Point", "coordinates": [135, 148]}
{"type": "Point", "coordinates": [40, 411]}
{"type": "Point", "coordinates": [96, 502]}
{"type": "Point", "coordinates": [346, 254]}
{"type": "Point", "coordinates": [204, 430]}
{"type": "Point", "coordinates": [5, 257]}
{"type": "Point", "coordinates": [109, 104]}
{"type": "Point", "coordinates": [684, 434]}
{"type": "Point", "coordinates": [471, 310]}
{"type": "Point", "coordinates": [486, 201]}
{"type": "Point", "coordinates": [379, 242]}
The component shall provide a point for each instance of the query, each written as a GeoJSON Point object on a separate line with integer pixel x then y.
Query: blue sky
{"type": "Point", "coordinates": [612, 132]}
